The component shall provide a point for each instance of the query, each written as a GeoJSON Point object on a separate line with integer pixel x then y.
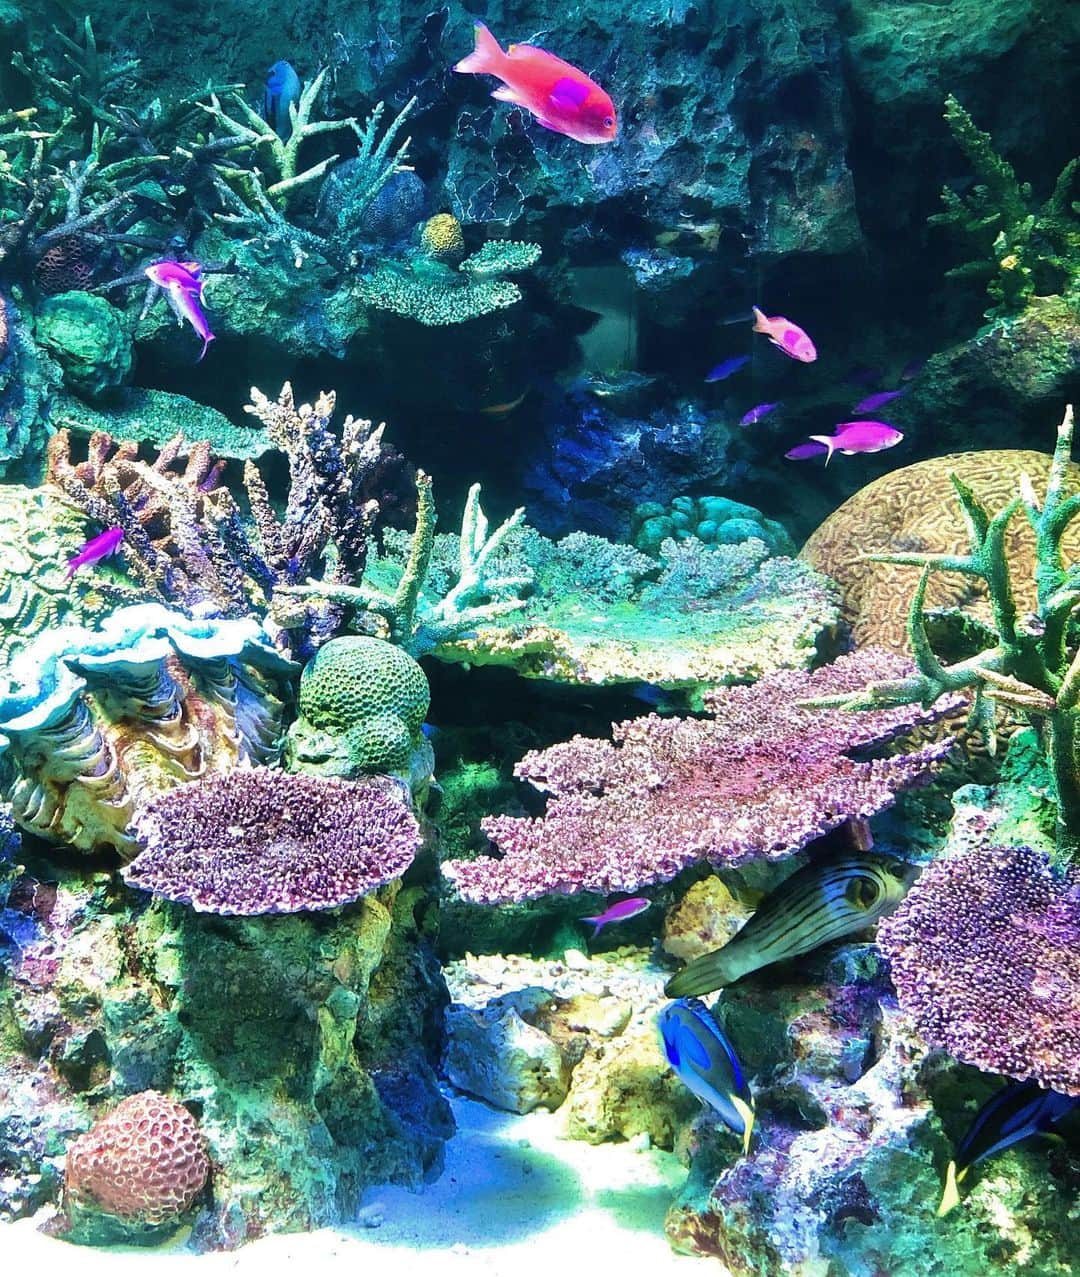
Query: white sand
{"type": "Point", "coordinates": [514, 1200]}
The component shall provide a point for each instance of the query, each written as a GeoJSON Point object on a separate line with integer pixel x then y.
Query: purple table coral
{"type": "Point", "coordinates": [265, 841]}
{"type": "Point", "coordinates": [985, 955]}
{"type": "Point", "coordinates": [762, 778]}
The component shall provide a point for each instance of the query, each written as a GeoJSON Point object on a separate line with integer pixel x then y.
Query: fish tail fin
{"type": "Point", "coordinates": [746, 1112]}
{"type": "Point", "coordinates": [69, 571]}
{"type": "Point", "coordinates": [950, 1196]}
{"type": "Point", "coordinates": [704, 975]}
{"type": "Point", "coordinates": [206, 342]}
{"type": "Point", "coordinates": [486, 57]}
{"type": "Point", "coordinates": [761, 320]}
{"type": "Point", "coordinates": [829, 443]}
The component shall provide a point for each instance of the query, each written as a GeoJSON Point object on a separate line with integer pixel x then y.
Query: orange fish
{"type": "Point", "coordinates": [560, 96]}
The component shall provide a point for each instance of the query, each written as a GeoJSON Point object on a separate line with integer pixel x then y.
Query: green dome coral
{"type": "Point", "coordinates": [87, 336]}
{"type": "Point", "coordinates": [361, 706]}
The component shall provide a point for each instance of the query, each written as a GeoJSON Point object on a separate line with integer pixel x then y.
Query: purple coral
{"type": "Point", "coordinates": [265, 841]}
{"type": "Point", "coordinates": [985, 955]}
{"type": "Point", "coordinates": [761, 778]}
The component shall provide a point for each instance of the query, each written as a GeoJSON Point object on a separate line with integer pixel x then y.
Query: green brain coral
{"type": "Point", "coordinates": [361, 706]}
{"type": "Point", "coordinates": [86, 334]}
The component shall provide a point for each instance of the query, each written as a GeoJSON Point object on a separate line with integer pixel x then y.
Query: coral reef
{"type": "Point", "coordinates": [760, 778]}
{"type": "Point", "coordinates": [985, 956]}
{"type": "Point", "coordinates": [914, 509]}
{"type": "Point", "coordinates": [28, 377]}
{"type": "Point", "coordinates": [145, 1162]}
{"type": "Point", "coordinates": [87, 337]}
{"type": "Point", "coordinates": [263, 841]}
{"type": "Point", "coordinates": [360, 709]}
{"type": "Point", "coordinates": [712, 520]}
{"type": "Point", "coordinates": [93, 722]}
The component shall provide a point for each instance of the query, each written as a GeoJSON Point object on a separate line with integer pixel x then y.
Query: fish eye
{"type": "Point", "coordinates": [609, 121]}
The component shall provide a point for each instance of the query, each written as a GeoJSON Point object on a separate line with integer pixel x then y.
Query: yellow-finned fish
{"type": "Point", "coordinates": [1009, 1116]}
{"type": "Point", "coordinates": [818, 903]}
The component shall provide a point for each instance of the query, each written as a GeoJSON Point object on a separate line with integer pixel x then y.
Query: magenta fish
{"type": "Point", "coordinates": [790, 338]}
{"type": "Point", "coordinates": [859, 436]}
{"type": "Point", "coordinates": [755, 414]}
{"type": "Point", "coordinates": [618, 912]}
{"type": "Point", "coordinates": [873, 402]}
{"type": "Point", "coordinates": [96, 549]}
{"type": "Point", "coordinates": [183, 284]}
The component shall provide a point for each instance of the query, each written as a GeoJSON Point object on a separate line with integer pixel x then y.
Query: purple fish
{"type": "Point", "coordinates": [859, 436]}
{"type": "Point", "coordinates": [873, 402]}
{"type": "Point", "coordinates": [912, 369]}
{"type": "Point", "coordinates": [862, 375]}
{"type": "Point", "coordinates": [183, 284]}
{"type": "Point", "coordinates": [727, 368]}
{"type": "Point", "coordinates": [803, 450]}
{"type": "Point", "coordinates": [618, 912]}
{"type": "Point", "coordinates": [96, 549]}
{"type": "Point", "coordinates": [755, 414]}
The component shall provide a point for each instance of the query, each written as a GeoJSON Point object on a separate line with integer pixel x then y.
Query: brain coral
{"type": "Point", "coordinates": [985, 955]}
{"type": "Point", "coordinates": [916, 509]}
{"type": "Point", "coordinates": [145, 1162]}
{"type": "Point", "coordinates": [441, 237]}
{"type": "Point", "coordinates": [361, 705]}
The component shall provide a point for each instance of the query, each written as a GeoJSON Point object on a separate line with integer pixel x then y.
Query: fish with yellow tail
{"type": "Point", "coordinates": [705, 1061]}
{"type": "Point", "coordinates": [1009, 1116]}
{"type": "Point", "coordinates": [819, 903]}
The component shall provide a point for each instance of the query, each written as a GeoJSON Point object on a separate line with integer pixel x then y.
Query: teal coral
{"type": "Point", "coordinates": [713, 520]}
{"type": "Point", "coordinates": [88, 338]}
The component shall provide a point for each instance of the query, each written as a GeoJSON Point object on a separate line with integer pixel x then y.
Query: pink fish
{"type": "Point", "coordinates": [618, 912]}
{"type": "Point", "coordinates": [561, 97]}
{"type": "Point", "coordinates": [859, 436]}
{"type": "Point", "coordinates": [786, 336]}
{"type": "Point", "coordinates": [873, 402]}
{"type": "Point", "coordinates": [183, 284]}
{"type": "Point", "coordinates": [96, 549]}
{"type": "Point", "coordinates": [755, 414]}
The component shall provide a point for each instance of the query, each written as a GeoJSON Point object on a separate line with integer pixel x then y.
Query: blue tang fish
{"type": "Point", "coordinates": [705, 1061]}
{"type": "Point", "coordinates": [1009, 1116]}
{"type": "Point", "coordinates": [282, 90]}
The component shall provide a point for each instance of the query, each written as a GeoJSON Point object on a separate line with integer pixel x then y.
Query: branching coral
{"type": "Point", "coordinates": [264, 841]}
{"type": "Point", "coordinates": [1023, 248]}
{"type": "Point", "coordinates": [985, 955]}
{"type": "Point", "coordinates": [759, 779]}
{"type": "Point", "coordinates": [1031, 665]}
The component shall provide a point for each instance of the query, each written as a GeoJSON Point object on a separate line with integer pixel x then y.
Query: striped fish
{"type": "Point", "coordinates": [817, 904]}
{"type": "Point", "coordinates": [1009, 1116]}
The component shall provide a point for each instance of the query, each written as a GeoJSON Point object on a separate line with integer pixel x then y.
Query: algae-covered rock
{"type": "Point", "coordinates": [89, 339]}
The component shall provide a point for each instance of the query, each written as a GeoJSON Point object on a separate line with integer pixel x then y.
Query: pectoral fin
{"type": "Point", "coordinates": [504, 93]}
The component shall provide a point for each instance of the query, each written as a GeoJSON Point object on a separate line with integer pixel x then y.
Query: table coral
{"type": "Point", "coordinates": [758, 780]}
{"type": "Point", "coordinates": [914, 509]}
{"type": "Point", "coordinates": [261, 841]}
{"type": "Point", "coordinates": [94, 721]}
{"type": "Point", "coordinates": [145, 1162]}
{"type": "Point", "coordinates": [985, 955]}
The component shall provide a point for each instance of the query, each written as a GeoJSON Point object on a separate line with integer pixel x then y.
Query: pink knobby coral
{"type": "Point", "coordinates": [761, 778]}
{"type": "Point", "coordinates": [985, 956]}
{"type": "Point", "coordinates": [266, 841]}
{"type": "Point", "coordinates": [146, 1161]}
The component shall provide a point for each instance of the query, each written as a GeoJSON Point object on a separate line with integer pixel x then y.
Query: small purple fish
{"type": "Point", "coordinates": [912, 369]}
{"type": "Point", "coordinates": [802, 451]}
{"type": "Point", "coordinates": [618, 912]}
{"type": "Point", "coordinates": [873, 402]}
{"type": "Point", "coordinates": [755, 414]}
{"type": "Point", "coordinates": [859, 436]}
{"type": "Point", "coordinates": [728, 367]}
{"type": "Point", "coordinates": [96, 549]}
{"type": "Point", "coordinates": [182, 284]}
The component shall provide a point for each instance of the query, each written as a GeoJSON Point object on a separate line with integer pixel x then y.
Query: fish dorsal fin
{"type": "Point", "coordinates": [568, 92]}
{"type": "Point", "coordinates": [524, 50]}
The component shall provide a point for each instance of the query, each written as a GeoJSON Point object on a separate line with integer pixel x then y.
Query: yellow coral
{"type": "Point", "coordinates": [441, 237]}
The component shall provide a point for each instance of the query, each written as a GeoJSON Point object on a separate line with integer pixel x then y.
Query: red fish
{"type": "Point", "coordinates": [96, 549]}
{"type": "Point", "coordinates": [790, 338]}
{"type": "Point", "coordinates": [560, 96]}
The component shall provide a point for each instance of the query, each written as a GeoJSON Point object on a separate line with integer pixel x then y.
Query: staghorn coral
{"type": "Point", "coordinates": [360, 709]}
{"type": "Point", "coordinates": [93, 722]}
{"type": "Point", "coordinates": [146, 1162]}
{"type": "Point", "coordinates": [985, 956]}
{"type": "Point", "coordinates": [261, 841]}
{"type": "Point", "coordinates": [758, 780]}
{"type": "Point", "coordinates": [1024, 248]}
{"type": "Point", "coordinates": [914, 509]}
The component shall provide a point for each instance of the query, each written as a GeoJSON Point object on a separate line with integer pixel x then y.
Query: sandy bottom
{"type": "Point", "coordinates": [514, 1200]}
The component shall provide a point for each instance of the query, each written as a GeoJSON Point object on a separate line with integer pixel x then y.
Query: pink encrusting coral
{"type": "Point", "coordinates": [985, 956]}
{"type": "Point", "coordinates": [760, 779]}
{"type": "Point", "coordinates": [266, 841]}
